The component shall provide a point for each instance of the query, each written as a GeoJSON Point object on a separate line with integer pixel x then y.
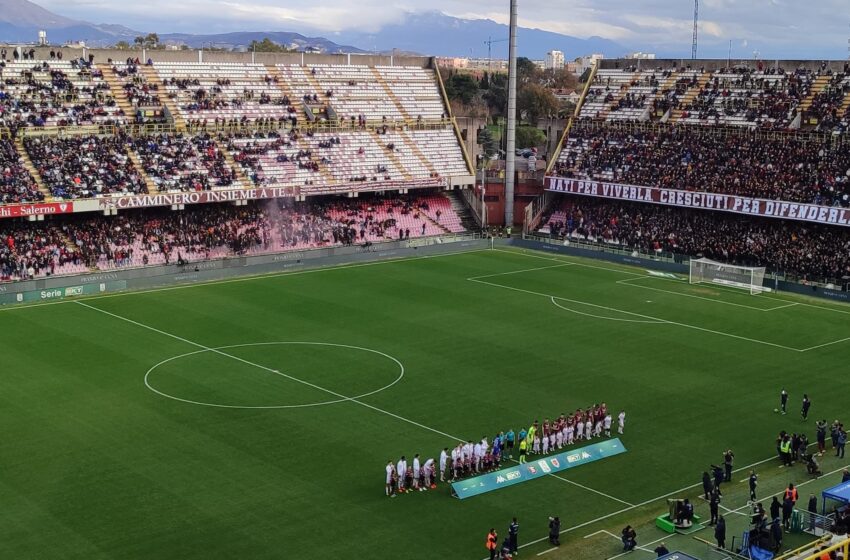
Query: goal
{"type": "Point", "coordinates": [742, 277]}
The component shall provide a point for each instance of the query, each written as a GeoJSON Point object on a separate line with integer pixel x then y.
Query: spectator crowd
{"type": "Point", "coordinates": [779, 167]}
{"type": "Point", "coordinates": [805, 251]}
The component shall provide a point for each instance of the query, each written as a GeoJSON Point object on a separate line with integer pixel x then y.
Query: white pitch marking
{"type": "Point", "coordinates": [547, 551]}
{"type": "Point", "coordinates": [720, 333]}
{"type": "Point", "coordinates": [642, 275]}
{"type": "Point", "coordinates": [655, 499]}
{"type": "Point", "coordinates": [554, 301]}
{"type": "Point", "coordinates": [329, 391]}
{"type": "Point", "coordinates": [628, 282]}
{"type": "Point", "coordinates": [825, 344]}
{"type": "Point", "coordinates": [307, 405]}
{"type": "Point", "coordinates": [520, 271]}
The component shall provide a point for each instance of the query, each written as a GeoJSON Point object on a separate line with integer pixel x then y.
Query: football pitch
{"type": "Point", "coordinates": [253, 418]}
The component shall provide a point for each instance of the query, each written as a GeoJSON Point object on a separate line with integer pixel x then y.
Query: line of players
{"type": "Point", "coordinates": [565, 430]}
{"type": "Point", "coordinates": [468, 459]}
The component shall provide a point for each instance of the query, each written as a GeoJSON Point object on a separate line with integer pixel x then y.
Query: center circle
{"type": "Point", "coordinates": [223, 353]}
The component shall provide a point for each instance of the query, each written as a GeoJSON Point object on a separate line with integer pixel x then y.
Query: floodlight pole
{"type": "Point", "coordinates": [510, 147]}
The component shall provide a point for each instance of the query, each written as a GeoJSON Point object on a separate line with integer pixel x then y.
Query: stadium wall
{"type": "Point", "coordinates": [101, 56]}
{"type": "Point", "coordinates": [61, 287]}
{"type": "Point", "coordinates": [710, 65]}
{"type": "Point", "coordinates": [678, 268]}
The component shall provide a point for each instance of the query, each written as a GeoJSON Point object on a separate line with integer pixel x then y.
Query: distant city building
{"type": "Point", "coordinates": [571, 67]}
{"type": "Point", "coordinates": [540, 64]}
{"type": "Point", "coordinates": [585, 62]}
{"type": "Point", "coordinates": [641, 55]}
{"type": "Point", "coordinates": [455, 63]}
{"type": "Point", "coordinates": [554, 60]}
{"type": "Point", "coordinates": [494, 65]}
{"type": "Point", "coordinates": [42, 38]}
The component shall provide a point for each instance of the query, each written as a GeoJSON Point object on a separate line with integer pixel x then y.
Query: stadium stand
{"type": "Point", "coordinates": [224, 92]}
{"type": "Point", "coordinates": [178, 162]}
{"type": "Point", "coordinates": [16, 184]}
{"type": "Point", "coordinates": [789, 167]}
{"type": "Point", "coordinates": [795, 249]}
{"type": "Point", "coordinates": [76, 244]}
{"type": "Point", "coordinates": [55, 93]}
{"type": "Point", "coordinates": [85, 166]}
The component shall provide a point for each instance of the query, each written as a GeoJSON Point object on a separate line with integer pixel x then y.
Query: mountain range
{"type": "Point", "coordinates": [20, 21]}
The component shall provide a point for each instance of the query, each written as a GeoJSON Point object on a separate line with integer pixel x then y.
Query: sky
{"type": "Point", "coordinates": [768, 28]}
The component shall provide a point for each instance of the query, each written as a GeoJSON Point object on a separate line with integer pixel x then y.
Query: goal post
{"type": "Point", "coordinates": [742, 277]}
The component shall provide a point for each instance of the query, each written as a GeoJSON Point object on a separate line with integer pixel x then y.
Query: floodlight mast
{"type": "Point", "coordinates": [510, 143]}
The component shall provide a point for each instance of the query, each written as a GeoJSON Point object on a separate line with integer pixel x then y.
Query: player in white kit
{"type": "Point", "coordinates": [416, 472]}
{"type": "Point", "coordinates": [621, 421]}
{"type": "Point", "coordinates": [607, 424]}
{"type": "Point", "coordinates": [390, 476]}
{"type": "Point", "coordinates": [401, 470]}
{"type": "Point", "coordinates": [588, 427]}
{"type": "Point", "coordinates": [443, 461]}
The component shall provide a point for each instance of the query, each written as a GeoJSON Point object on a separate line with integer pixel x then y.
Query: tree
{"type": "Point", "coordinates": [461, 87]}
{"type": "Point", "coordinates": [489, 146]}
{"type": "Point", "coordinates": [529, 137]}
{"type": "Point", "coordinates": [122, 46]}
{"type": "Point", "coordinates": [149, 41]}
{"type": "Point", "coordinates": [560, 79]}
{"type": "Point", "coordinates": [485, 81]}
{"type": "Point", "coordinates": [535, 101]}
{"type": "Point", "coordinates": [527, 72]}
{"type": "Point", "coordinates": [496, 95]}
{"type": "Point", "coordinates": [267, 45]}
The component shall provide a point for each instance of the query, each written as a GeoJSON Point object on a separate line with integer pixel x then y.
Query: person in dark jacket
{"type": "Point", "coordinates": [714, 506]}
{"type": "Point", "coordinates": [718, 477]}
{"type": "Point", "coordinates": [775, 506]}
{"type": "Point", "coordinates": [555, 531]}
{"type": "Point", "coordinates": [661, 550]}
{"type": "Point", "coordinates": [707, 486]}
{"type": "Point", "coordinates": [845, 475]}
{"type": "Point", "coordinates": [629, 538]}
{"type": "Point", "coordinates": [720, 532]}
{"type": "Point", "coordinates": [754, 481]}
{"type": "Point", "coordinates": [513, 532]}
{"type": "Point", "coordinates": [776, 535]}
{"type": "Point", "coordinates": [787, 510]}
{"type": "Point", "coordinates": [728, 460]}
{"type": "Point", "coordinates": [813, 509]}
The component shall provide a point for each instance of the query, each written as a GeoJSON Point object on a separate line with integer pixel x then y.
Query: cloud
{"type": "Point", "coordinates": [776, 27]}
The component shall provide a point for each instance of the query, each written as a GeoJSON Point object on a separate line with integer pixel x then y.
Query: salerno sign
{"type": "Point", "coordinates": [24, 210]}
{"type": "Point", "coordinates": [540, 466]}
{"type": "Point", "coordinates": [829, 215]}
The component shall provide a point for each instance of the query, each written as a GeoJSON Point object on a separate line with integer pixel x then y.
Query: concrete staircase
{"type": "Point", "coordinates": [380, 79]}
{"type": "Point", "coordinates": [153, 78]}
{"type": "Point", "coordinates": [462, 210]}
{"type": "Point", "coordinates": [434, 222]}
{"type": "Point", "coordinates": [137, 163]}
{"type": "Point", "coordinates": [31, 169]}
{"type": "Point", "coordinates": [624, 89]}
{"type": "Point", "coordinates": [323, 171]}
{"type": "Point", "coordinates": [274, 72]}
{"type": "Point", "coordinates": [116, 88]}
{"type": "Point", "coordinates": [245, 182]}
{"type": "Point", "coordinates": [394, 158]}
{"type": "Point", "coordinates": [417, 152]}
{"type": "Point", "coordinates": [690, 95]}
{"type": "Point", "coordinates": [817, 87]}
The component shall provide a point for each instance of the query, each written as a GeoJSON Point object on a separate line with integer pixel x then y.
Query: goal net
{"type": "Point", "coordinates": [742, 277]}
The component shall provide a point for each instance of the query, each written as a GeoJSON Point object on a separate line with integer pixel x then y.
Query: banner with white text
{"type": "Point", "coordinates": [828, 215]}
{"type": "Point", "coordinates": [537, 467]}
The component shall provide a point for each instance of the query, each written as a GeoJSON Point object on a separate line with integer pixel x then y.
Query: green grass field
{"type": "Point", "coordinates": [253, 418]}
